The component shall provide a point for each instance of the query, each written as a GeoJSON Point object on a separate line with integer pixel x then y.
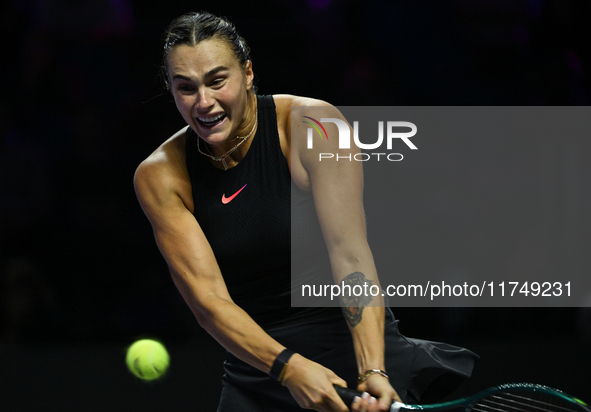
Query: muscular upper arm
{"type": "Point", "coordinates": [337, 185]}
{"type": "Point", "coordinates": [178, 235]}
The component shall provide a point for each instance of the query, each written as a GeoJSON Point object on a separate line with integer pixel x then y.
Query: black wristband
{"type": "Point", "coordinates": [279, 364]}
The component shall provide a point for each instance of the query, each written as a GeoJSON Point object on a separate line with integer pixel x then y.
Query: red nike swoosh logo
{"type": "Point", "coordinates": [226, 200]}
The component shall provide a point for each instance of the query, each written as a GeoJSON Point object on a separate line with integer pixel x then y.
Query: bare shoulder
{"type": "Point", "coordinates": [293, 100]}
{"type": "Point", "coordinates": [288, 106]}
{"type": "Point", "coordinates": [167, 159]}
{"type": "Point", "coordinates": [164, 173]}
{"type": "Point", "coordinates": [285, 102]}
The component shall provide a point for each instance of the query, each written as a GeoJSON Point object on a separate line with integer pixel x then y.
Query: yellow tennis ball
{"type": "Point", "coordinates": [147, 359]}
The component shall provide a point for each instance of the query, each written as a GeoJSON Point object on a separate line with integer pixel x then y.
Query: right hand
{"type": "Point", "coordinates": [380, 388]}
{"type": "Point", "coordinates": [311, 385]}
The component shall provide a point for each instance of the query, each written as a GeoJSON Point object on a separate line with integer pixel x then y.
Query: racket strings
{"type": "Point", "coordinates": [510, 402]}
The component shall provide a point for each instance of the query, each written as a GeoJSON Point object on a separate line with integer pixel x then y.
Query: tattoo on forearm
{"type": "Point", "coordinates": [353, 305]}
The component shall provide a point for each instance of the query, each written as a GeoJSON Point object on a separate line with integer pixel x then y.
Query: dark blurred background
{"type": "Point", "coordinates": [82, 105]}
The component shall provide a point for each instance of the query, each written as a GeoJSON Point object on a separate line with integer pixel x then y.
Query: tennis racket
{"type": "Point", "coordinates": [512, 397]}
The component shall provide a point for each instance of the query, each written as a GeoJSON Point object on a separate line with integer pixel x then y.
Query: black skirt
{"type": "Point", "coordinates": [418, 369]}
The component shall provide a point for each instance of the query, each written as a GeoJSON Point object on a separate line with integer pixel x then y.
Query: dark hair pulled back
{"type": "Point", "coordinates": [192, 28]}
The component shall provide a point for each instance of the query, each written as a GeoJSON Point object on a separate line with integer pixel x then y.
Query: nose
{"type": "Point", "coordinates": [205, 100]}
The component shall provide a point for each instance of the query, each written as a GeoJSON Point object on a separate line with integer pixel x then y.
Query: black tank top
{"type": "Point", "coordinates": [251, 234]}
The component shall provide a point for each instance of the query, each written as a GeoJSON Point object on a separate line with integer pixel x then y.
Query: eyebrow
{"type": "Point", "coordinates": [215, 70]}
{"type": "Point", "coordinates": [212, 72]}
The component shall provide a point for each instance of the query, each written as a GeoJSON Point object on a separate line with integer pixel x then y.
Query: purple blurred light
{"type": "Point", "coordinates": [319, 4]}
{"type": "Point", "coordinates": [521, 34]}
{"type": "Point", "coordinates": [535, 8]}
{"type": "Point", "coordinates": [574, 61]}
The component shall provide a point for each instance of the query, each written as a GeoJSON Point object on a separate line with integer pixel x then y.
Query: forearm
{"type": "Point", "coordinates": [368, 339]}
{"type": "Point", "coordinates": [197, 276]}
{"type": "Point", "coordinates": [232, 327]}
{"type": "Point", "coordinates": [366, 323]}
{"type": "Point", "coordinates": [365, 313]}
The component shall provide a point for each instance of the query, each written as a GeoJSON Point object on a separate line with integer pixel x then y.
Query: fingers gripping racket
{"type": "Point", "coordinates": [512, 397]}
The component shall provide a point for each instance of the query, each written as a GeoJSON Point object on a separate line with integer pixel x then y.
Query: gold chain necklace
{"type": "Point", "coordinates": [243, 139]}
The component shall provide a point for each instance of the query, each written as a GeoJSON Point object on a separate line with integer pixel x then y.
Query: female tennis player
{"type": "Point", "coordinates": [218, 194]}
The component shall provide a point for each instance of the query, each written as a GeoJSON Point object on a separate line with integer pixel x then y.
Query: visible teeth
{"type": "Point", "coordinates": [210, 119]}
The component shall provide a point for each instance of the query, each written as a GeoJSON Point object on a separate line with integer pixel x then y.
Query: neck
{"type": "Point", "coordinates": [249, 120]}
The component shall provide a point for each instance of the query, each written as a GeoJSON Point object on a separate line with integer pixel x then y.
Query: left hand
{"type": "Point", "coordinates": [378, 395]}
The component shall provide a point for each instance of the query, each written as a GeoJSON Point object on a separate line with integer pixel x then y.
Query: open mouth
{"type": "Point", "coordinates": [211, 121]}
